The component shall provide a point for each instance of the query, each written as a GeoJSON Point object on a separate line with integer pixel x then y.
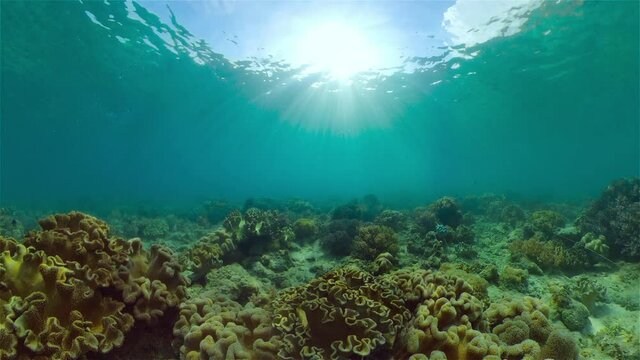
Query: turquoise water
{"type": "Point", "coordinates": [125, 109]}
{"type": "Point", "coordinates": [205, 180]}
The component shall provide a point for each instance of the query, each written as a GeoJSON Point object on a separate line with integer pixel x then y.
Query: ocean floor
{"type": "Point", "coordinates": [482, 277]}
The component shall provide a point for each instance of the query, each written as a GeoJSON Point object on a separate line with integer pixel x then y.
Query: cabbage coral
{"type": "Point", "coordinates": [49, 310]}
{"type": "Point", "coordinates": [343, 314]}
{"type": "Point", "coordinates": [71, 289]}
{"type": "Point", "coordinates": [219, 328]}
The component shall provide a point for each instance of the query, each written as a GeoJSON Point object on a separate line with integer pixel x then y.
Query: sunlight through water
{"type": "Point", "coordinates": [339, 49]}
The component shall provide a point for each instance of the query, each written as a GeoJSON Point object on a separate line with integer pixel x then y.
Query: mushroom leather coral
{"type": "Point", "coordinates": [47, 311]}
{"type": "Point", "coordinates": [521, 325]}
{"type": "Point", "coordinates": [151, 282]}
{"type": "Point", "coordinates": [347, 313]}
{"type": "Point", "coordinates": [82, 242]}
{"type": "Point", "coordinates": [71, 289]}
{"type": "Point", "coordinates": [223, 329]}
{"type": "Point", "coordinates": [208, 253]}
{"type": "Point", "coordinates": [446, 319]}
{"type": "Point", "coordinates": [350, 314]}
{"type": "Point", "coordinates": [148, 281]}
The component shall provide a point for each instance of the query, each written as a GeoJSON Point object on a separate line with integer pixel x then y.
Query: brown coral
{"type": "Point", "coordinates": [345, 313]}
{"type": "Point", "coordinates": [223, 329]}
{"type": "Point", "coordinates": [72, 289]}
{"type": "Point", "coordinates": [373, 240]}
{"type": "Point", "coordinates": [83, 242]}
{"type": "Point", "coordinates": [521, 325]}
{"type": "Point", "coordinates": [257, 231]}
{"type": "Point", "coordinates": [151, 283]}
{"type": "Point", "coordinates": [207, 254]}
{"type": "Point", "coordinates": [383, 263]}
{"type": "Point", "coordinates": [548, 254]}
{"type": "Point", "coordinates": [50, 312]}
{"type": "Point", "coordinates": [447, 319]}
{"type": "Point", "coordinates": [545, 222]}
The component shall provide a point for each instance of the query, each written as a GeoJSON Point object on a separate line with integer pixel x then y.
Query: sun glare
{"type": "Point", "coordinates": [338, 49]}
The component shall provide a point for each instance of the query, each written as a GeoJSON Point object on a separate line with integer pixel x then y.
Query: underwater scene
{"type": "Point", "coordinates": [342, 180]}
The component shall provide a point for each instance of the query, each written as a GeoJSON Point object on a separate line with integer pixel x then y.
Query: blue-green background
{"type": "Point", "coordinates": [87, 121]}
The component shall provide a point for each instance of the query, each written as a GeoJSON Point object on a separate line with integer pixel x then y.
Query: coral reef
{"type": "Point", "coordinates": [446, 317]}
{"type": "Point", "coordinates": [373, 240]}
{"type": "Point", "coordinates": [425, 220]}
{"type": "Point", "coordinates": [350, 211]}
{"type": "Point", "coordinates": [438, 226]}
{"type": "Point", "coordinates": [358, 283]}
{"type": "Point", "coordinates": [214, 211]}
{"type": "Point", "coordinates": [574, 316]}
{"type": "Point", "coordinates": [258, 231]}
{"type": "Point", "coordinates": [618, 342]}
{"type": "Point", "coordinates": [521, 325]}
{"type": "Point", "coordinates": [234, 282]}
{"type": "Point", "coordinates": [365, 210]}
{"type": "Point", "coordinates": [305, 228]}
{"type": "Point", "coordinates": [589, 292]}
{"type": "Point", "coordinates": [337, 236]}
{"type": "Point", "coordinates": [292, 208]}
{"type": "Point", "coordinates": [596, 244]}
{"type": "Point", "coordinates": [49, 310]}
{"type": "Point", "coordinates": [446, 211]}
{"type": "Point", "coordinates": [383, 263]}
{"type": "Point", "coordinates": [148, 228]}
{"type": "Point", "coordinates": [549, 254]}
{"type": "Point", "coordinates": [495, 208]}
{"type": "Point", "coordinates": [515, 278]}
{"type": "Point", "coordinates": [71, 289]}
{"type": "Point", "coordinates": [391, 218]}
{"type": "Point", "coordinates": [616, 215]}
{"type": "Point", "coordinates": [478, 284]}
{"type": "Point", "coordinates": [545, 223]}
{"type": "Point", "coordinates": [218, 328]}
{"type": "Point", "coordinates": [207, 254]}
{"type": "Point", "coordinates": [560, 345]}
{"type": "Point", "coordinates": [343, 314]}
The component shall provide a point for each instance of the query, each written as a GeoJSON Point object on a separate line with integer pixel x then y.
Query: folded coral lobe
{"type": "Point", "coordinates": [50, 312]}
{"type": "Point", "coordinates": [72, 289]}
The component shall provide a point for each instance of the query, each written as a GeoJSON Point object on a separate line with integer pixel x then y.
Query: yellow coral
{"type": "Point", "coordinates": [72, 289]}
{"type": "Point", "coordinates": [49, 311]}
{"type": "Point", "coordinates": [522, 325]}
{"type": "Point", "coordinates": [82, 241]}
{"type": "Point", "coordinates": [149, 281]}
{"type": "Point", "coordinates": [223, 329]}
{"type": "Point", "coordinates": [447, 320]}
{"type": "Point", "coordinates": [547, 254]}
{"type": "Point", "coordinates": [152, 282]}
{"type": "Point", "coordinates": [346, 312]}
{"type": "Point", "coordinates": [208, 253]}
{"type": "Point", "coordinates": [383, 263]}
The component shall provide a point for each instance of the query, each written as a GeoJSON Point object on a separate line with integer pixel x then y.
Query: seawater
{"type": "Point", "coordinates": [129, 108]}
{"type": "Point", "coordinates": [500, 170]}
